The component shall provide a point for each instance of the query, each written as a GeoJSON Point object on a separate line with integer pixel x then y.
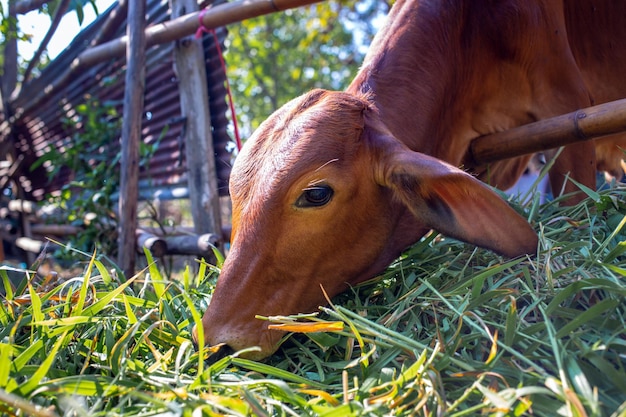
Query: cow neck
{"type": "Point", "coordinates": [408, 71]}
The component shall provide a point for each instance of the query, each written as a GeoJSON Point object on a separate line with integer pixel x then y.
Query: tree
{"type": "Point", "coordinates": [274, 58]}
{"type": "Point", "coordinates": [14, 69]}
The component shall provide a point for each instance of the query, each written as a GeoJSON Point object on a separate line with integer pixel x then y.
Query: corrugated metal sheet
{"type": "Point", "coordinates": [42, 127]}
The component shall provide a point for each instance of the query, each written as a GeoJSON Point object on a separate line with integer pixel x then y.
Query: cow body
{"type": "Point", "coordinates": [334, 185]}
{"type": "Point", "coordinates": [597, 35]}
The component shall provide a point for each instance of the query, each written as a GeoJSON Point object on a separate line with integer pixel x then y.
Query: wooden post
{"type": "Point", "coordinates": [190, 67]}
{"type": "Point", "coordinates": [585, 124]}
{"type": "Point", "coordinates": [131, 135]}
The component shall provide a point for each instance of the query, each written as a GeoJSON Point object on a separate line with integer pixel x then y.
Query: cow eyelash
{"type": "Point", "coordinates": [316, 196]}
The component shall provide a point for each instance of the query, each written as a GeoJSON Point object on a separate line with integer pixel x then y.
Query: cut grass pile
{"type": "Point", "coordinates": [448, 330]}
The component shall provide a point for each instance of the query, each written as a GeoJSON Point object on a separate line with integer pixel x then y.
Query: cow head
{"type": "Point", "coordinates": [323, 195]}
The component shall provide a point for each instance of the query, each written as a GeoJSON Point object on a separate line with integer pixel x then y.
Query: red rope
{"type": "Point", "coordinates": [201, 29]}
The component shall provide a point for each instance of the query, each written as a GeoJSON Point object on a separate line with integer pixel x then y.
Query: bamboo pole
{"type": "Point", "coordinates": [190, 245]}
{"type": "Point", "coordinates": [584, 124]}
{"type": "Point", "coordinates": [114, 21]}
{"type": "Point", "coordinates": [23, 206]}
{"type": "Point", "coordinates": [155, 244]}
{"type": "Point", "coordinates": [55, 229]}
{"type": "Point", "coordinates": [221, 15]}
{"type": "Point", "coordinates": [198, 245]}
{"type": "Point", "coordinates": [34, 246]}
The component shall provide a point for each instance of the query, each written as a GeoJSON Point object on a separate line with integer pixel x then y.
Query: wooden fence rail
{"type": "Point", "coordinates": [584, 124]}
{"type": "Point", "coordinates": [160, 241]}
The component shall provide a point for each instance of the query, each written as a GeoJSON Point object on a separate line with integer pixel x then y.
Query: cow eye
{"type": "Point", "coordinates": [315, 196]}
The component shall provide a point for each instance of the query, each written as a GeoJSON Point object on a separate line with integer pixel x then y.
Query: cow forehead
{"type": "Point", "coordinates": [303, 136]}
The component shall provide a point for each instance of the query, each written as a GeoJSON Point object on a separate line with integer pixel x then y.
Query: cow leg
{"type": "Point", "coordinates": [578, 162]}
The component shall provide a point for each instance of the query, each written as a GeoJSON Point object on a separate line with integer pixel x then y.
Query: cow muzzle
{"type": "Point", "coordinates": [250, 339]}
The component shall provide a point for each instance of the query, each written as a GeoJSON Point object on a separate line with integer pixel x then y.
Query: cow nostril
{"type": "Point", "coordinates": [222, 352]}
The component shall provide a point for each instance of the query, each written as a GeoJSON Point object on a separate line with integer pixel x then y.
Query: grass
{"type": "Point", "coordinates": [447, 330]}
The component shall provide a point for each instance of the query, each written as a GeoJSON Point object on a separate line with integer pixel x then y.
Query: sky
{"type": "Point", "coordinates": [36, 24]}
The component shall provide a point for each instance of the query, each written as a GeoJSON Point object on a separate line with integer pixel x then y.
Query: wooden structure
{"type": "Point", "coordinates": [91, 66]}
{"type": "Point", "coordinates": [134, 88]}
{"type": "Point", "coordinates": [86, 69]}
{"type": "Point", "coordinates": [583, 124]}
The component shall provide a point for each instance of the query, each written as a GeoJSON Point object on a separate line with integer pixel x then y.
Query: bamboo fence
{"type": "Point", "coordinates": [584, 124]}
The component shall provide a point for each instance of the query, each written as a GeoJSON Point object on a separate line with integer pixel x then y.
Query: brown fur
{"type": "Point", "coordinates": [486, 66]}
{"type": "Point", "coordinates": [439, 74]}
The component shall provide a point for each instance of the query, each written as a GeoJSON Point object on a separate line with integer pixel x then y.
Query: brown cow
{"type": "Point", "coordinates": [330, 189]}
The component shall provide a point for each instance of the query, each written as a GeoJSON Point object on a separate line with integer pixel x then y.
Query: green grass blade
{"type": "Point", "coordinates": [22, 359]}
{"type": "Point", "coordinates": [602, 307]}
{"type": "Point", "coordinates": [132, 318]}
{"type": "Point", "coordinates": [104, 272]}
{"type": "Point", "coordinates": [6, 359]}
{"type": "Point", "coordinates": [90, 385]}
{"type": "Point", "coordinates": [34, 381]}
{"type": "Point", "coordinates": [609, 371]}
{"type": "Point", "coordinates": [6, 282]}
{"type": "Point", "coordinates": [581, 384]}
{"type": "Point", "coordinates": [155, 275]}
{"type": "Point", "coordinates": [594, 195]}
{"type": "Point", "coordinates": [197, 321]}
{"type": "Point", "coordinates": [35, 302]}
{"type": "Point", "coordinates": [96, 307]}
{"type": "Point", "coordinates": [511, 328]}
{"type": "Point", "coordinates": [276, 372]}
{"type": "Point", "coordinates": [82, 295]}
{"type": "Point", "coordinates": [584, 284]}
{"type": "Point", "coordinates": [479, 279]}
{"type": "Point", "coordinates": [6, 315]}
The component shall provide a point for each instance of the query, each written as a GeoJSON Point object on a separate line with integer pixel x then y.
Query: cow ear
{"type": "Point", "coordinates": [454, 203]}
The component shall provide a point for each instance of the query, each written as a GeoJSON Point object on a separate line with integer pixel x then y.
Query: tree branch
{"type": "Point", "coordinates": [9, 67]}
{"type": "Point", "coordinates": [113, 22]}
{"type": "Point", "coordinates": [26, 6]}
{"type": "Point", "coordinates": [60, 12]}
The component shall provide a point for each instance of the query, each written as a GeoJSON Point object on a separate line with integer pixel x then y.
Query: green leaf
{"type": "Point", "coordinates": [34, 381]}
{"type": "Point", "coordinates": [574, 288]}
{"type": "Point", "coordinates": [595, 311]}
{"type": "Point", "coordinates": [132, 319]}
{"type": "Point", "coordinates": [6, 359]}
{"type": "Point", "coordinates": [90, 385]}
{"type": "Point", "coordinates": [580, 382]}
{"type": "Point", "coordinates": [197, 321]}
{"type": "Point", "coordinates": [155, 274]}
{"type": "Point", "coordinates": [119, 352]}
{"type": "Point", "coordinates": [595, 196]}
{"type": "Point", "coordinates": [607, 371]}
{"type": "Point", "coordinates": [82, 295]}
{"type": "Point", "coordinates": [96, 307]}
{"type": "Point", "coordinates": [511, 327]}
{"type": "Point", "coordinates": [79, 13]}
{"type": "Point", "coordinates": [618, 250]}
{"type": "Point", "coordinates": [276, 372]}
{"type": "Point", "coordinates": [6, 282]}
{"type": "Point", "coordinates": [22, 359]}
{"type": "Point", "coordinates": [35, 302]}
